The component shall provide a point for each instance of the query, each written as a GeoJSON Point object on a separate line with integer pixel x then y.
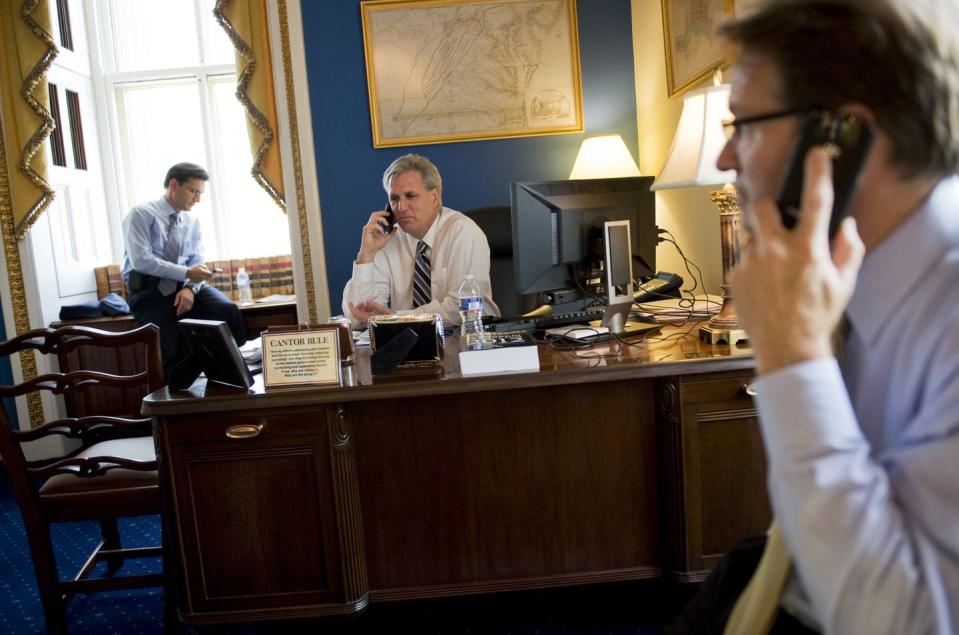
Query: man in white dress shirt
{"type": "Point", "coordinates": [863, 455]}
{"type": "Point", "coordinates": [386, 277]}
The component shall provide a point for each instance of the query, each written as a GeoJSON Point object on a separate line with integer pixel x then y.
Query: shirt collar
{"type": "Point", "coordinates": [430, 235]}
{"type": "Point", "coordinates": [895, 266]}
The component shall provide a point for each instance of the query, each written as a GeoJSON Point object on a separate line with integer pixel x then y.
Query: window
{"type": "Point", "coordinates": [169, 79]}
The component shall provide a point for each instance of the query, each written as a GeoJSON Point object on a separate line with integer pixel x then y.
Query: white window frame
{"type": "Point", "coordinates": [111, 126]}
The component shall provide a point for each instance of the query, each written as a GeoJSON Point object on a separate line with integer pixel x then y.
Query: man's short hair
{"type": "Point", "coordinates": [431, 176]}
{"type": "Point", "coordinates": [183, 172]}
{"type": "Point", "coordinates": [899, 58]}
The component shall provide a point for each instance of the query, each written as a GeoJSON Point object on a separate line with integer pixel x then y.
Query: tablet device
{"type": "Point", "coordinates": [214, 353]}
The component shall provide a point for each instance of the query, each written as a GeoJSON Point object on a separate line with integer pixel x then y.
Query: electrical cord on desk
{"type": "Point", "coordinates": [688, 301]}
{"type": "Point", "coordinates": [559, 342]}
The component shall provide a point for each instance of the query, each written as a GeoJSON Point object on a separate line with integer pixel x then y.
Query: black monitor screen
{"type": "Point", "coordinates": [555, 222]}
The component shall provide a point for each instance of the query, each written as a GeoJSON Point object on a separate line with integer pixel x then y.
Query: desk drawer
{"type": "Point", "coordinates": [244, 427]}
{"type": "Point", "coordinates": [722, 389]}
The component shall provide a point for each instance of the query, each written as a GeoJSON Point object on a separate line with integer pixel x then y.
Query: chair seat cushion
{"type": "Point", "coordinates": [136, 449]}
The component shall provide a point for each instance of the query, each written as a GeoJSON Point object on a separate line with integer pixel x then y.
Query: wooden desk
{"type": "Point", "coordinates": [618, 463]}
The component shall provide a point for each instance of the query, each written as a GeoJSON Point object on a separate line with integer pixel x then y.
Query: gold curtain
{"type": "Point", "coordinates": [245, 22]}
{"type": "Point", "coordinates": [27, 52]}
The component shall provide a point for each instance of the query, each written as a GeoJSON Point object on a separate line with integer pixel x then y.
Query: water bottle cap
{"type": "Point", "coordinates": [242, 269]}
{"type": "Point", "coordinates": [468, 276]}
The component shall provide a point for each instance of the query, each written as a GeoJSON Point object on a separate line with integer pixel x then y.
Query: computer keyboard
{"type": "Point", "coordinates": [545, 322]}
{"type": "Point", "coordinates": [573, 317]}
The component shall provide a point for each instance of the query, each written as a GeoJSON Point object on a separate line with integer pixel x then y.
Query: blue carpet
{"type": "Point", "coordinates": [613, 609]}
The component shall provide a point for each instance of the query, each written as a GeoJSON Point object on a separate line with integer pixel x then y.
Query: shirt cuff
{"type": "Point", "coordinates": [804, 410]}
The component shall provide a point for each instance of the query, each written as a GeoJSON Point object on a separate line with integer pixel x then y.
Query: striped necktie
{"type": "Point", "coordinates": [422, 294]}
{"type": "Point", "coordinates": [171, 253]}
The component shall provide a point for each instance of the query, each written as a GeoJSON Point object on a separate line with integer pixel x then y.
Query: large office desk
{"type": "Point", "coordinates": [611, 464]}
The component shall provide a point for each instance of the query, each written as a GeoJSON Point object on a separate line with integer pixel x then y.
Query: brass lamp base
{"type": "Point", "coordinates": [730, 337]}
{"type": "Point", "coordinates": [725, 326]}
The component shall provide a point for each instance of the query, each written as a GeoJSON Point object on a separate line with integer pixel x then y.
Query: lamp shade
{"type": "Point", "coordinates": [699, 140]}
{"type": "Point", "coordinates": [603, 157]}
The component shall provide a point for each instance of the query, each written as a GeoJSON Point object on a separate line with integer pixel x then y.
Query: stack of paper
{"type": "Point", "coordinates": [680, 309]}
{"type": "Point", "coordinates": [511, 351]}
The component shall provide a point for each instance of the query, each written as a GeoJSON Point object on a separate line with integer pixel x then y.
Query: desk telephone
{"type": "Point", "coordinates": [662, 285]}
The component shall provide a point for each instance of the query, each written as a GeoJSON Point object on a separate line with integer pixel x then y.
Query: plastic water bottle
{"type": "Point", "coordinates": [243, 286]}
{"type": "Point", "coordinates": [472, 335]}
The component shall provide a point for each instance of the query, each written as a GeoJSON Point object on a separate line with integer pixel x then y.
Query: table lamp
{"type": "Point", "coordinates": [692, 162]}
{"type": "Point", "coordinates": [603, 157]}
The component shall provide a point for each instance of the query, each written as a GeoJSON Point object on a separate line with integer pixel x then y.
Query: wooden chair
{"type": "Point", "coordinates": [111, 473]}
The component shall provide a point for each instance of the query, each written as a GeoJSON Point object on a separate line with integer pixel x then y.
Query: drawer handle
{"type": "Point", "coordinates": [749, 389]}
{"type": "Point", "coordinates": [244, 431]}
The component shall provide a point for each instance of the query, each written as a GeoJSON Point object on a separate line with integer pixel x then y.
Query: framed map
{"type": "Point", "coordinates": [693, 51]}
{"type": "Point", "coordinates": [453, 70]}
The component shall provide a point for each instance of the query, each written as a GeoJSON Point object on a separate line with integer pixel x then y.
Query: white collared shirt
{"type": "Point", "coordinates": [458, 247]}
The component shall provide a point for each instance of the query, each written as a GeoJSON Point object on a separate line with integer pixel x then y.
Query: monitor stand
{"type": "Point", "coordinates": [616, 319]}
{"type": "Point", "coordinates": [616, 316]}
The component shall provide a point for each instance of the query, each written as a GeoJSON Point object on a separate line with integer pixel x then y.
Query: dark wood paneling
{"type": "Point", "coordinates": [462, 489]}
{"type": "Point", "coordinates": [257, 518]}
{"type": "Point", "coordinates": [715, 468]}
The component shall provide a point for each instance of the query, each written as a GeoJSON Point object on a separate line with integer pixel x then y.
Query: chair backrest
{"type": "Point", "coordinates": [142, 342]}
{"type": "Point", "coordinates": [109, 279]}
{"type": "Point", "coordinates": [496, 223]}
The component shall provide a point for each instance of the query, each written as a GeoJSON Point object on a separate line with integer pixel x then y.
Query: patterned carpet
{"type": "Point", "coordinates": [614, 609]}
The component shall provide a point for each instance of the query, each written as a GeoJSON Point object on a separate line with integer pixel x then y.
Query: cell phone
{"type": "Point", "coordinates": [216, 270]}
{"type": "Point", "coordinates": [390, 218]}
{"type": "Point", "coordinates": [847, 139]}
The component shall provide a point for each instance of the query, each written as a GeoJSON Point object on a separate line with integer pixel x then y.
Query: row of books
{"type": "Point", "coordinates": [270, 275]}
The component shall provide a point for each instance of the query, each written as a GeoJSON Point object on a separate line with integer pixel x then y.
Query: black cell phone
{"type": "Point", "coordinates": [390, 218]}
{"type": "Point", "coordinates": [847, 139]}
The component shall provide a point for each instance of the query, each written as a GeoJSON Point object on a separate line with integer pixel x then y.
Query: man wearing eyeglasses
{"type": "Point", "coordinates": [163, 264]}
{"type": "Point", "coordinates": [863, 454]}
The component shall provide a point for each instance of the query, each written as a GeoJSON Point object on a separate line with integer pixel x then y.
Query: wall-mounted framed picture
{"type": "Point", "coordinates": [693, 50]}
{"type": "Point", "coordinates": [440, 71]}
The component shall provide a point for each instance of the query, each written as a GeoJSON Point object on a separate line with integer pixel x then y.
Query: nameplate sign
{"type": "Point", "coordinates": [301, 357]}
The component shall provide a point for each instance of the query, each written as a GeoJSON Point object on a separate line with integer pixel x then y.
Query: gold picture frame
{"type": "Point", "coordinates": [440, 71]}
{"type": "Point", "coordinates": [693, 51]}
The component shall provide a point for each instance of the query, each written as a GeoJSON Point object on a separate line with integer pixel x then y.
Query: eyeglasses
{"type": "Point", "coordinates": [732, 126]}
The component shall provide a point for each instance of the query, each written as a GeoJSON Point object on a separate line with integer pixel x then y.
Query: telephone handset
{"type": "Point", "coordinates": [390, 218]}
{"type": "Point", "coordinates": [662, 285]}
{"type": "Point", "coordinates": [847, 140]}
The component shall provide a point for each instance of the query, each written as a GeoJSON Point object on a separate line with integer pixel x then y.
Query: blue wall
{"type": "Point", "coordinates": [475, 173]}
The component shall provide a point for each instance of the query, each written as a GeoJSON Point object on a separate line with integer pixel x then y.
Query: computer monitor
{"type": "Point", "coordinates": [558, 229]}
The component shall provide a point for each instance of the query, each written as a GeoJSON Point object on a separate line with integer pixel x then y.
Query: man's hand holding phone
{"type": "Point", "coordinates": [378, 231]}
{"type": "Point", "coordinates": [790, 289]}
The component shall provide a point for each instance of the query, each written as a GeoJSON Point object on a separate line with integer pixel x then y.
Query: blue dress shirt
{"type": "Point", "coordinates": [145, 235]}
{"type": "Point", "coordinates": [864, 460]}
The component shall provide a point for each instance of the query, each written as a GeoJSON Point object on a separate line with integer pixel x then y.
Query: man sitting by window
{"type": "Point", "coordinates": [163, 264]}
